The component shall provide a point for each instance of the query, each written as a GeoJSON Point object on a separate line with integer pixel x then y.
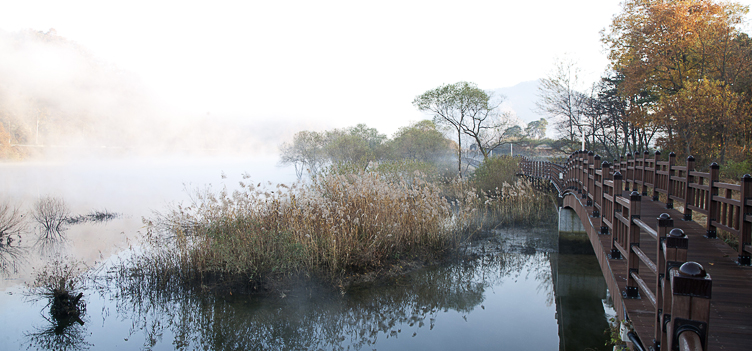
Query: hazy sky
{"type": "Point", "coordinates": [325, 63]}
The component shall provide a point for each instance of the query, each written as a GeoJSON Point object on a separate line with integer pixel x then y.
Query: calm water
{"type": "Point", "coordinates": [516, 290]}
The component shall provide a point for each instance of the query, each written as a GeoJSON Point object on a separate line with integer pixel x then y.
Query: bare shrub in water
{"type": "Point", "coordinates": [51, 213]}
{"type": "Point", "coordinates": [336, 224]}
{"type": "Point", "coordinates": [60, 282]}
{"type": "Point", "coordinates": [11, 220]}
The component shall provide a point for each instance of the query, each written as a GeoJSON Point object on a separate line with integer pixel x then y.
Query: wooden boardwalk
{"type": "Point", "coordinates": [684, 308]}
{"type": "Point", "coordinates": [730, 326]}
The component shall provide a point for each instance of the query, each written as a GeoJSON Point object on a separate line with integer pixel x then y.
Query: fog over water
{"type": "Point", "coordinates": [131, 187]}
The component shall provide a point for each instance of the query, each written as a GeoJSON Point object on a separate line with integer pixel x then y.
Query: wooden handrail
{"type": "Point", "coordinates": [727, 206]}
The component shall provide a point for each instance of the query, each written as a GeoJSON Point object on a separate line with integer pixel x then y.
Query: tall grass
{"type": "Point", "coordinates": [508, 199]}
{"type": "Point", "coordinates": [338, 223]}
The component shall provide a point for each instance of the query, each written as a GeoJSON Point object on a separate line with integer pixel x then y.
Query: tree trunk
{"type": "Point", "coordinates": [459, 153]}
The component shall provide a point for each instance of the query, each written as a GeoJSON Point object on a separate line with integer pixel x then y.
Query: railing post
{"type": "Point", "coordinates": [655, 174]}
{"type": "Point", "coordinates": [745, 228]}
{"type": "Point", "coordinates": [689, 191]}
{"type": "Point", "coordinates": [588, 161]}
{"type": "Point", "coordinates": [671, 162]}
{"type": "Point", "coordinates": [593, 167]}
{"type": "Point", "coordinates": [674, 247]}
{"type": "Point", "coordinates": [633, 239]}
{"type": "Point", "coordinates": [615, 253]}
{"type": "Point", "coordinates": [605, 175]}
{"type": "Point", "coordinates": [665, 224]}
{"type": "Point", "coordinates": [691, 290]}
{"type": "Point", "coordinates": [630, 170]}
{"type": "Point", "coordinates": [712, 205]}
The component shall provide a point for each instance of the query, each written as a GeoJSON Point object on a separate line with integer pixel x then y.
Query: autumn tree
{"type": "Point", "coordinates": [466, 110]}
{"type": "Point", "coordinates": [685, 58]}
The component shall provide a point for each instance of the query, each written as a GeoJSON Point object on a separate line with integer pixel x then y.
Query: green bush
{"type": "Point", "coordinates": [496, 171]}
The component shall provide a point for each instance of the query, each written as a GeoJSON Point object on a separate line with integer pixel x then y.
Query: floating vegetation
{"type": "Point", "coordinates": [94, 216]}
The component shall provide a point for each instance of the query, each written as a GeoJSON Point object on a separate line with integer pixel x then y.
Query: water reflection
{"type": "Point", "coordinates": [581, 293]}
{"type": "Point", "coordinates": [512, 291]}
{"type": "Point", "coordinates": [387, 314]}
{"type": "Point", "coordinates": [59, 334]}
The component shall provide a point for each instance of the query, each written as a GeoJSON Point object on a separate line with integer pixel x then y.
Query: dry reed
{"type": "Point", "coordinates": [337, 224]}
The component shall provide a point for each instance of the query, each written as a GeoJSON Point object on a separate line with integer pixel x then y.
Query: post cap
{"type": "Point", "coordinates": [746, 176]}
{"type": "Point", "coordinates": [676, 233]}
{"type": "Point", "coordinates": [692, 269]}
{"type": "Point", "coordinates": [590, 153]}
{"type": "Point", "coordinates": [646, 153]}
{"type": "Point", "coordinates": [597, 157]}
{"type": "Point", "coordinates": [605, 164]}
{"type": "Point", "coordinates": [629, 154]}
{"type": "Point", "coordinates": [617, 176]}
{"type": "Point", "coordinates": [714, 166]}
{"type": "Point", "coordinates": [634, 195]}
{"type": "Point", "coordinates": [671, 154]}
{"type": "Point", "coordinates": [657, 152]}
{"type": "Point", "coordinates": [664, 220]}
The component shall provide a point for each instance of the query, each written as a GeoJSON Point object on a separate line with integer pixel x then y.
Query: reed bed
{"type": "Point", "coordinates": [337, 224]}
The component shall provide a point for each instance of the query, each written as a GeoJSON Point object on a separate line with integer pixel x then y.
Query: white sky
{"type": "Point", "coordinates": [324, 63]}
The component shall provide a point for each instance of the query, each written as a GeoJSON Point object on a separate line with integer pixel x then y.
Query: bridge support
{"type": "Point", "coordinates": [569, 222]}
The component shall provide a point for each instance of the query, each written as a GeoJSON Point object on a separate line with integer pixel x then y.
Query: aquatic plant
{"type": "Point", "coordinates": [94, 216]}
{"type": "Point", "coordinates": [61, 282]}
{"type": "Point", "coordinates": [337, 224]}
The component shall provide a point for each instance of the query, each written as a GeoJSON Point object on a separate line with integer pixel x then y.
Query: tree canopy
{"type": "Point", "coordinates": [466, 110]}
{"type": "Point", "coordinates": [686, 67]}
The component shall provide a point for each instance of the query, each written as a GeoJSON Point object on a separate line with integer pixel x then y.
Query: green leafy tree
{"type": "Point", "coordinates": [467, 110]}
{"type": "Point", "coordinates": [306, 151]}
{"type": "Point", "coordinates": [420, 141]}
{"type": "Point", "coordinates": [536, 129]}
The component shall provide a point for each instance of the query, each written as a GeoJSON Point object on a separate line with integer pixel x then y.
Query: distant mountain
{"type": "Point", "coordinates": [521, 99]}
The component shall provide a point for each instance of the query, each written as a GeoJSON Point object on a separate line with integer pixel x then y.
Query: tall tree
{"type": "Point", "coordinates": [466, 110]}
{"type": "Point", "coordinates": [560, 99]}
{"type": "Point", "coordinates": [689, 58]}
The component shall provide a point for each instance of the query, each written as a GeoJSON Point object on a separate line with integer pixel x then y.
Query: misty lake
{"type": "Point", "coordinates": [518, 290]}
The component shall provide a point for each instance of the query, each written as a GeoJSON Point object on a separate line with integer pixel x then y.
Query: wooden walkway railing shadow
{"type": "Point", "coordinates": [678, 285]}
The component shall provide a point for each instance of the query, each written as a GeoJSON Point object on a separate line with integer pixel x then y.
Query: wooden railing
{"type": "Point", "coordinates": [680, 293]}
{"type": "Point", "coordinates": [725, 206]}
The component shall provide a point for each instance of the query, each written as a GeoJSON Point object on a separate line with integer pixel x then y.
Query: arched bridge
{"type": "Point", "coordinates": [654, 226]}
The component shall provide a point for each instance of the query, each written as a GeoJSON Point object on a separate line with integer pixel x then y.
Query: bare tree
{"type": "Point", "coordinates": [559, 99]}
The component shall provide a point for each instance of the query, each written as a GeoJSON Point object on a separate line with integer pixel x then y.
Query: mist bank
{"type": "Point", "coordinates": [58, 100]}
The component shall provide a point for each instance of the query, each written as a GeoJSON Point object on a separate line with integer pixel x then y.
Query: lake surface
{"type": "Point", "coordinates": [516, 290]}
